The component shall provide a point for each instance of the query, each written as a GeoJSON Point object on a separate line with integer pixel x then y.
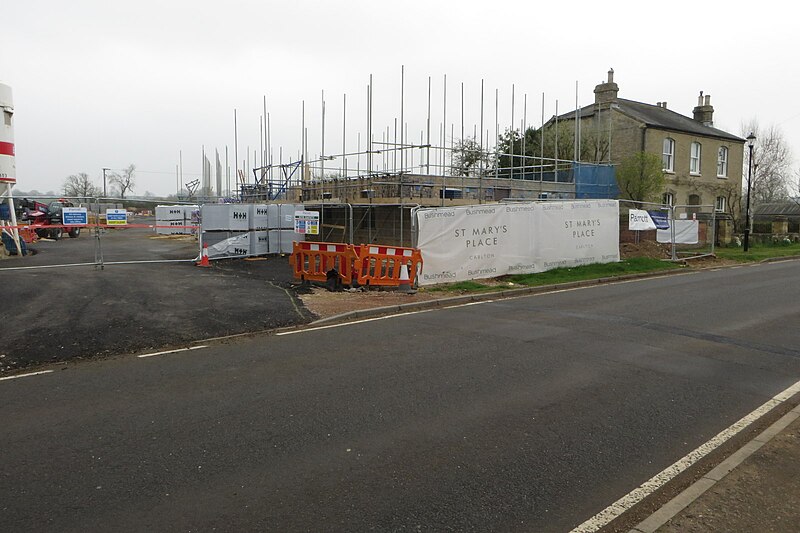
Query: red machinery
{"type": "Point", "coordinates": [45, 220]}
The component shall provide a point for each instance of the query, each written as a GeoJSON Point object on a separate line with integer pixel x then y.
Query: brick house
{"type": "Point", "coordinates": [702, 164]}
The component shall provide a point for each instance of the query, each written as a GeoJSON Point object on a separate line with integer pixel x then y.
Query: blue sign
{"type": "Point", "coordinates": [660, 219]}
{"type": "Point", "coordinates": [74, 216]}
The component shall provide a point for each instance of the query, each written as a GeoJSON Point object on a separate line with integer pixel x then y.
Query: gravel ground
{"type": "Point", "coordinates": [63, 314]}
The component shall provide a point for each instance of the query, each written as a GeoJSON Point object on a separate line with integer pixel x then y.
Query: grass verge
{"type": "Point", "coordinates": [758, 252]}
{"type": "Point", "coordinates": [634, 265]}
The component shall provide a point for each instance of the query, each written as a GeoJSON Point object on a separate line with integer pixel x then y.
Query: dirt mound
{"type": "Point", "coordinates": [650, 249]}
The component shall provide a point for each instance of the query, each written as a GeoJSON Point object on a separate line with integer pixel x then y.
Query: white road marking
{"type": "Point", "coordinates": [555, 291]}
{"type": "Point", "coordinates": [659, 480]}
{"type": "Point", "coordinates": [341, 324]}
{"type": "Point", "coordinates": [26, 375]}
{"type": "Point", "coordinates": [171, 351]}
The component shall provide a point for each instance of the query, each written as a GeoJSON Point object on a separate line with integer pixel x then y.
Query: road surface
{"type": "Point", "coordinates": [527, 414]}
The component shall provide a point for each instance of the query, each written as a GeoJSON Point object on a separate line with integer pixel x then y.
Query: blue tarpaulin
{"type": "Point", "coordinates": [595, 181]}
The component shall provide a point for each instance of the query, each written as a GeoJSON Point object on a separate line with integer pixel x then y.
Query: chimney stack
{"type": "Point", "coordinates": [606, 93]}
{"type": "Point", "coordinates": [704, 112]}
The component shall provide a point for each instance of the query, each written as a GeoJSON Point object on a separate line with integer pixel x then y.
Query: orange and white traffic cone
{"type": "Point", "coordinates": [204, 257]}
{"type": "Point", "coordinates": [405, 283]}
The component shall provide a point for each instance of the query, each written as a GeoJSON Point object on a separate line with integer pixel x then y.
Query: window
{"type": "Point", "coordinates": [668, 199]}
{"type": "Point", "coordinates": [722, 162]}
{"type": "Point", "coordinates": [694, 159]}
{"type": "Point", "coordinates": [720, 204]}
{"type": "Point", "coordinates": [694, 199]}
{"type": "Point", "coordinates": [669, 155]}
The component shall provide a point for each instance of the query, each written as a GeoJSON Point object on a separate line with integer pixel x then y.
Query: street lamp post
{"type": "Point", "coordinates": [751, 140]}
{"type": "Point", "coordinates": [105, 194]}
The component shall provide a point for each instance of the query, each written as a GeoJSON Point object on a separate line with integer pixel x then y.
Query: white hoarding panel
{"type": "Point", "coordinates": [576, 233]}
{"type": "Point", "coordinates": [686, 232]}
{"type": "Point", "coordinates": [473, 242]}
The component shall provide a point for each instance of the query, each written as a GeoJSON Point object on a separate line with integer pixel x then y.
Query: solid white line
{"type": "Point", "coordinates": [171, 351]}
{"type": "Point", "coordinates": [26, 375]}
{"type": "Point", "coordinates": [659, 480]}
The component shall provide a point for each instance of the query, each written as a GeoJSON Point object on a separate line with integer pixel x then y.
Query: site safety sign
{"type": "Point", "coordinates": [74, 216]}
{"type": "Point", "coordinates": [306, 222]}
{"type": "Point", "coordinates": [116, 217]}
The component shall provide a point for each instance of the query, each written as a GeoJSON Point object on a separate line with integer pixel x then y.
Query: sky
{"type": "Point", "coordinates": [108, 84]}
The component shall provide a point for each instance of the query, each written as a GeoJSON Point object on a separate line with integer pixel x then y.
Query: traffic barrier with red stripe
{"type": "Point", "coordinates": [311, 261]}
{"type": "Point", "coordinates": [381, 265]}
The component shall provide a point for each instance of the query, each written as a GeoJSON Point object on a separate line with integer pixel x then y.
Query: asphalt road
{"type": "Point", "coordinates": [529, 414]}
{"type": "Point", "coordinates": [67, 313]}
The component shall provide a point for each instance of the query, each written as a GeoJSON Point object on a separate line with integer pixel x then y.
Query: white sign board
{"type": "Point", "coordinates": [640, 220]}
{"type": "Point", "coordinates": [74, 216]}
{"type": "Point", "coordinates": [116, 217]}
{"type": "Point", "coordinates": [473, 242]}
{"type": "Point", "coordinates": [306, 222]}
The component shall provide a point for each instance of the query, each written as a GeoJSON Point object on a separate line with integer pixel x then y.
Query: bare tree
{"type": "Point", "coordinates": [126, 181]}
{"type": "Point", "coordinates": [80, 186]}
{"type": "Point", "coordinates": [469, 159]}
{"type": "Point", "coordinates": [772, 177]}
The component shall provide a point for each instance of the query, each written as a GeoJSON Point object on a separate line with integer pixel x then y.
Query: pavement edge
{"type": "Point", "coordinates": [671, 509]}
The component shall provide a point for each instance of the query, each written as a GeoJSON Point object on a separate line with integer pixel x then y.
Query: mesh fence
{"type": "Point", "coordinates": [675, 232]}
{"type": "Point", "coordinates": [71, 231]}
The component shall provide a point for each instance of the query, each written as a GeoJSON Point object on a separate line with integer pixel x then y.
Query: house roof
{"type": "Point", "coordinates": [658, 117]}
{"type": "Point", "coordinates": [789, 208]}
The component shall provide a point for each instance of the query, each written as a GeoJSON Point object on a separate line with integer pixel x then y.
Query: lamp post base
{"type": "Point", "coordinates": [746, 240]}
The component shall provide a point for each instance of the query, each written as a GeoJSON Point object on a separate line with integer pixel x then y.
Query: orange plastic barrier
{"type": "Point", "coordinates": [312, 260]}
{"type": "Point", "coordinates": [380, 265]}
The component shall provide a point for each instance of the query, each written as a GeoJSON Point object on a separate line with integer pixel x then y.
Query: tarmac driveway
{"type": "Point", "coordinates": [67, 313]}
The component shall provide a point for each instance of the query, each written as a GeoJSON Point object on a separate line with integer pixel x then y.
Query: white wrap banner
{"type": "Point", "coordinates": [473, 242]}
{"type": "Point", "coordinates": [576, 233]}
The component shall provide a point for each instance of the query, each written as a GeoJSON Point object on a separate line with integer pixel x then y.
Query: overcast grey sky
{"type": "Point", "coordinates": [103, 83]}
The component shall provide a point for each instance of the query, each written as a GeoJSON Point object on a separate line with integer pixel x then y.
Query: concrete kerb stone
{"type": "Point", "coordinates": [669, 510]}
{"type": "Point", "coordinates": [779, 259]}
{"type": "Point", "coordinates": [512, 293]}
{"type": "Point", "coordinates": [481, 297]}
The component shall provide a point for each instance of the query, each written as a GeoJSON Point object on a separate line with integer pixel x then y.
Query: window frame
{"type": "Point", "coordinates": [722, 161]}
{"type": "Point", "coordinates": [694, 169]}
{"type": "Point", "coordinates": [668, 158]}
{"type": "Point", "coordinates": [668, 198]}
{"type": "Point", "coordinates": [720, 204]}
